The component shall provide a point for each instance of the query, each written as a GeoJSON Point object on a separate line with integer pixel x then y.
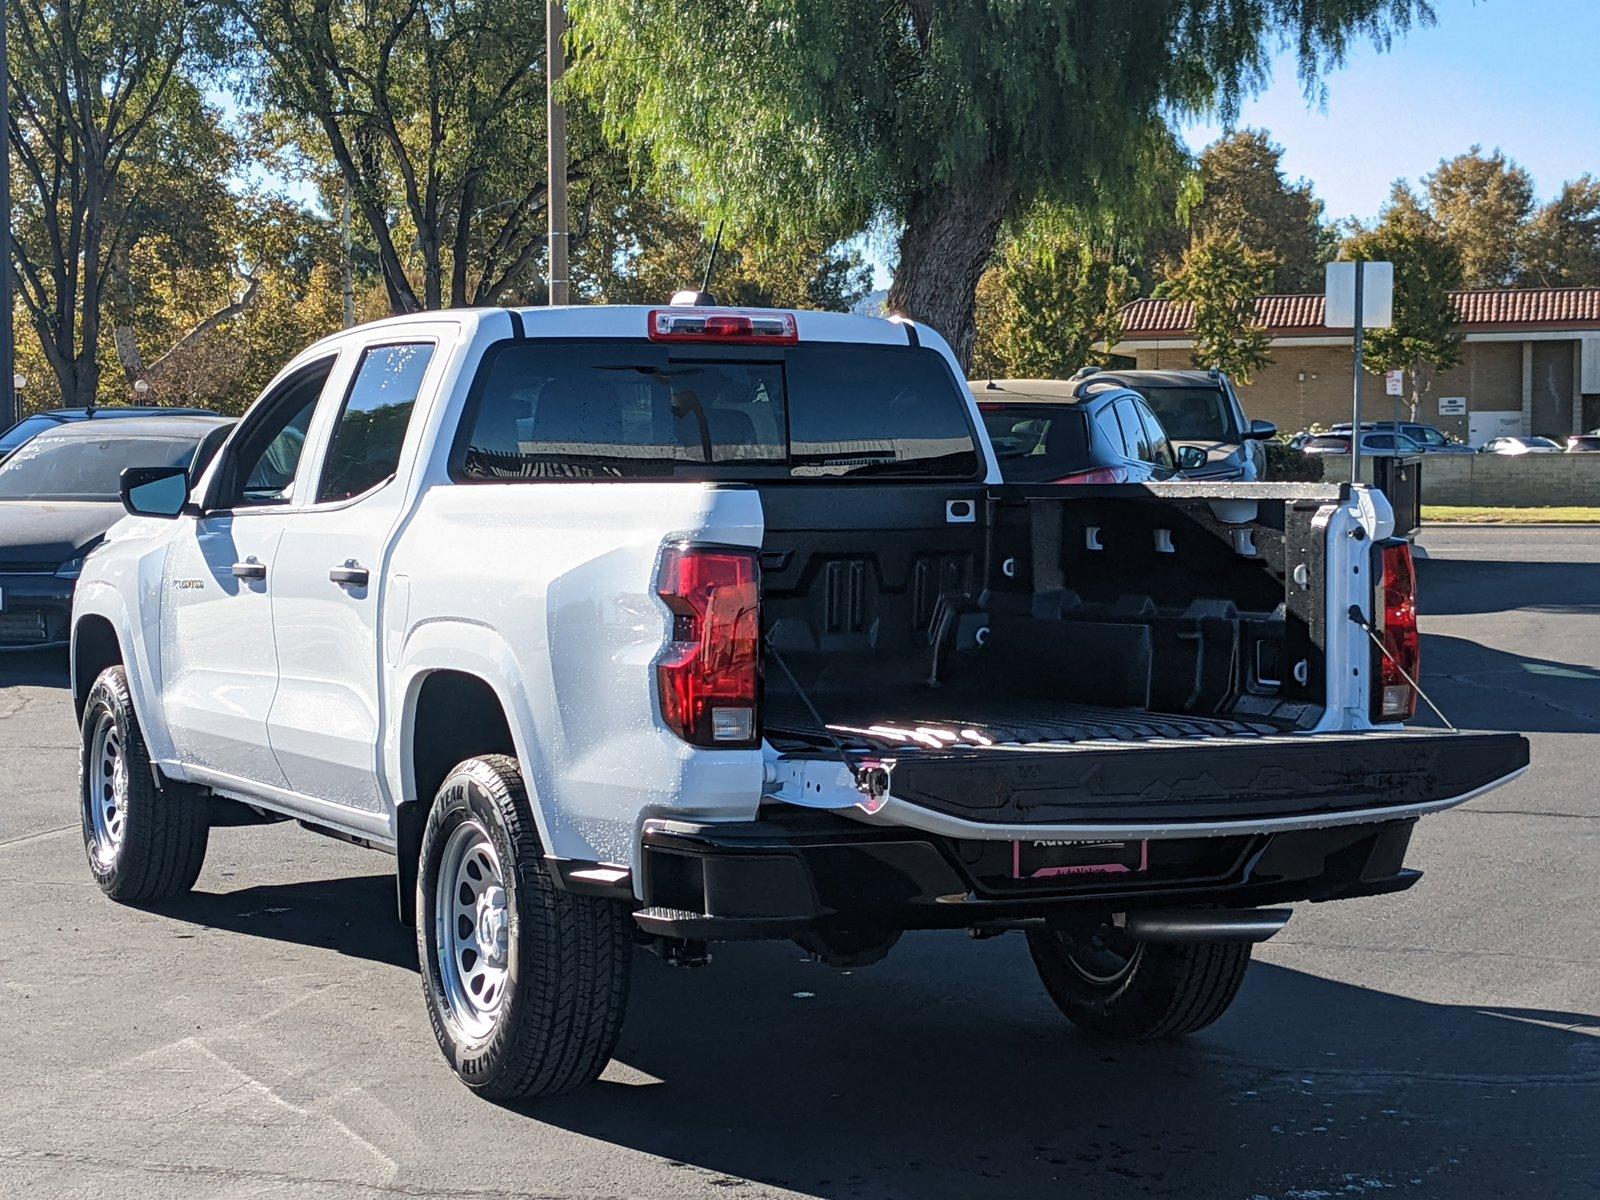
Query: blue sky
{"type": "Point", "coordinates": [1523, 75]}
{"type": "Point", "coordinates": [1518, 74]}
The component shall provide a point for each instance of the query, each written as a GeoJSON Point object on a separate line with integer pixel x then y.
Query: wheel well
{"type": "Point", "coordinates": [94, 648]}
{"type": "Point", "coordinates": [457, 716]}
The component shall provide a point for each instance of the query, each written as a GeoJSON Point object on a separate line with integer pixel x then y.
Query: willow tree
{"type": "Point", "coordinates": [939, 117]}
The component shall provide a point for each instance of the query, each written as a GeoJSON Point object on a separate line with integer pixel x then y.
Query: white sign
{"type": "Point", "coordinates": [1377, 295]}
{"type": "Point", "coordinates": [1394, 382]}
{"type": "Point", "coordinates": [1452, 406]}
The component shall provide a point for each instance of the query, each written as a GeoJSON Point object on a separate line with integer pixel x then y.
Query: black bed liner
{"type": "Point", "coordinates": [1009, 721]}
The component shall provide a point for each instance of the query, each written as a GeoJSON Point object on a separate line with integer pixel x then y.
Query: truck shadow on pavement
{"type": "Point", "coordinates": [1483, 688]}
{"type": "Point", "coordinates": [1454, 587]}
{"type": "Point", "coordinates": [944, 1073]}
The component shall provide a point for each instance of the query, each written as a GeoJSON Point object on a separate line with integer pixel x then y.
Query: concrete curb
{"type": "Point", "coordinates": [1426, 526]}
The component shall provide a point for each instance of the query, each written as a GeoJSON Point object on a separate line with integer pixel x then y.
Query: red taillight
{"type": "Point", "coordinates": [1098, 475]}
{"type": "Point", "coordinates": [723, 325]}
{"type": "Point", "coordinates": [709, 676]}
{"type": "Point", "coordinates": [1395, 615]}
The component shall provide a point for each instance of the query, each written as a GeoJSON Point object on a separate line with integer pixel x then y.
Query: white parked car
{"type": "Point", "coordinates": [1520, 445]}
{"type": "Point", "coordinates": [628, 626]}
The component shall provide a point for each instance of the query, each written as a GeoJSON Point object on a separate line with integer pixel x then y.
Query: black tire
{"type": "Point", "coordinates": [159, 843]}
{"type": "Point", "coordinates": [563, 982]}
{"type": "Point", "coordinates": [1116, 987]}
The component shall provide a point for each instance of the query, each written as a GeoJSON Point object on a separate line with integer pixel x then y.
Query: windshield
{"type": "Point", "coordinates": [1328, 442]}
{"type": "Point", "coordinates": [1583, 443]}
{"type": "Point", "coordinates": [1037, 443]}
{"type": "Point", "coordinates": [633, 410]}
{"type": "Point", "coordinates": [23, 431]}
{"type": "Point", "coordinates": [1193, 414]}
{"type": "Point", "coordinates": [80, 468]}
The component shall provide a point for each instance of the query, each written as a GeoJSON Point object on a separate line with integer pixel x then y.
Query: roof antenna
{"type": "Point", "coordinates": [711, 264]}
{"type": "Point", "coordinates": [703, 298]}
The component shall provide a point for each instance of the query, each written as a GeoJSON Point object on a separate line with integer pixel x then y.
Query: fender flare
{"type": "Point", "coordinates": [470, 648]}
{"type": "Point", "coordinates": [100, 598]}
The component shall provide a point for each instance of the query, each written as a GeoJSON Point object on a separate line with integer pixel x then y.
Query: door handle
{"type": "Point", "coordinates": [249, 569]}
{"type": "Point", "coordinates": [352, 574]}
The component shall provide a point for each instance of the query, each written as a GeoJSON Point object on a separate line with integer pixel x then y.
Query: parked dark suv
{"type": "Point", "coordinates": [1086, 431]}
{"type": "Point", "coordinates": [1200, 409]}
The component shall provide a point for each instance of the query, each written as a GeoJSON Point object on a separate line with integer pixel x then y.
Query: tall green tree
{"type": "Point", "coordinates": [93, 137]}
{"type": "Point", "coordinates": [942, 117]}
{"type": "Point", "coordinates": [1561, 244]}
{"type": "Point", "coordinates": [1482, 203]}
{"type": "Point", "coordinates": [1243, 189]}
{"type": "Point", "coordinates": [1056, 288]}
{"type": "Point", "coordinates": [1222, 277]}
{"type": "Point", "coordinates": [1425, 337]}
{"type": "Point", "coordinates": [432, 112]}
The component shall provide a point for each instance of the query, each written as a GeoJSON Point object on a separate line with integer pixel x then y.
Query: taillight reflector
{"type": "Point", "coordinates": [723, 325]}
{"type": "Point", "coordinates": [709, 676]}
{"type": "Point", "coordinates": [1097, 475]}
{"type": "Point", "coordinates": [1395, 615]}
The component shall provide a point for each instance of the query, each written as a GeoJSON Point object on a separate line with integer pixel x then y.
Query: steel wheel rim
{"type": "Point", "coordinates": [472, 924]}
{"type": "Point", "coordinates": [1105, 958]}
{"type": "Point", "coordinates": [107, 796]}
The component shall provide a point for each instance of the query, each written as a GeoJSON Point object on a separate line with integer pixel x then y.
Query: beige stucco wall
{"type": "Point", "coordinates": [1311, 385]}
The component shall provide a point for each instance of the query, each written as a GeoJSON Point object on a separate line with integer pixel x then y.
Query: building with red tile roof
{"type": "Point", "coordinates": [1530, 362]}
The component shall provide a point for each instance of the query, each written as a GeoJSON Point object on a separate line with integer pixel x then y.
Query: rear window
{"type": "Point", "coordinates": [1198, 414]}
{"type": "Point", "coordinates": [632, 410]}
{"type": "Point", "coordinates": [1037, 443]}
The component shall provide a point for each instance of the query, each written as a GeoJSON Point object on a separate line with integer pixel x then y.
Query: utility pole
{"type": "Point", "coordinates": [555, 36]}
{"type": "Point", "coordinates": [8, 357]}
{"type": "Point", "coordinates": [346, 268]}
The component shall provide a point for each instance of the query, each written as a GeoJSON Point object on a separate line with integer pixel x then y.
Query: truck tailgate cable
{"type": "Point", "coordinates": [1360, 619]}
{"type": "Point", "coordinates": [838, 746]}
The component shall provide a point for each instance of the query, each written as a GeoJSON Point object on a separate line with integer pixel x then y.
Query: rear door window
{"type": "Point", "coordinates": [1160, 450]}
{"type": "Point", "coordinates": [1133, 431]}
{"type": "Point", "coordinates": [372, 424]}
{"type": "Point", "coordinates": [633, 410]}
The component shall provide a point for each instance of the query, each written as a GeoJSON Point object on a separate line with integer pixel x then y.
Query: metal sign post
{"type": "Point", "coordinates": [1358, 296]}
{"type": "Point", "coordinates": [1355, 412]}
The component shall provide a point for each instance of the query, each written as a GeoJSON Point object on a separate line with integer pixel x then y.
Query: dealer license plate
{"type": "Point", "coordinates": [1052, 859]}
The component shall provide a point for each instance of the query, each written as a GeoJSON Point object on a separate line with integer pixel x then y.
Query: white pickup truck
{"type": "Point", "coordinates": [626, 626]}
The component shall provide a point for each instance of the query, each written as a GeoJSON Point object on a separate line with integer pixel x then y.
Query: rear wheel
{"type": "Point", "coordinates": [144, 842]}
{"type": "Point", "coordinates": [526, 984]}
{"type": "Point", "coordinates": [1116, 986]}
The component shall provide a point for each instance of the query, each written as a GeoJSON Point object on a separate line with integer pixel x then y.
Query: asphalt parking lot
{"type": "Point", "coordinates": [265, 1038]}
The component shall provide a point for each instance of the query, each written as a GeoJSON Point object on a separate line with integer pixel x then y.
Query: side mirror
{"type": "Point", "coordinates": [155, 491]}
{"type": "Point", "coordinates": [1191, 458]}
{"type": "Point", "coordinates": [1261, 431]}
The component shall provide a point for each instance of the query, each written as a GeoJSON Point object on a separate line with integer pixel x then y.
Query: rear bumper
{"type": "Point", "coordinates": [35, 610]}
{"type": "Point", "coordinates": [799, 870]}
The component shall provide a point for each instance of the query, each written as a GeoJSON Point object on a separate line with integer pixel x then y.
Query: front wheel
{"type": "Point", "coordinates": [144, 842]}
{"type": "Point", "coordinates": [1116, 986]}
{"type": "Point", "coordinates": [526, 984]}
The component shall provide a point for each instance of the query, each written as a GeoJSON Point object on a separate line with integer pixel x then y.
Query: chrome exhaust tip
{"type": "Point", "coordinates": [1202, 925]}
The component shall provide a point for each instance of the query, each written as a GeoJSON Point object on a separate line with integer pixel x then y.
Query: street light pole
{"type": "Point", "coordinates": [8, 358]}
{"type": "Point", "coordinates": [555, 51]}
